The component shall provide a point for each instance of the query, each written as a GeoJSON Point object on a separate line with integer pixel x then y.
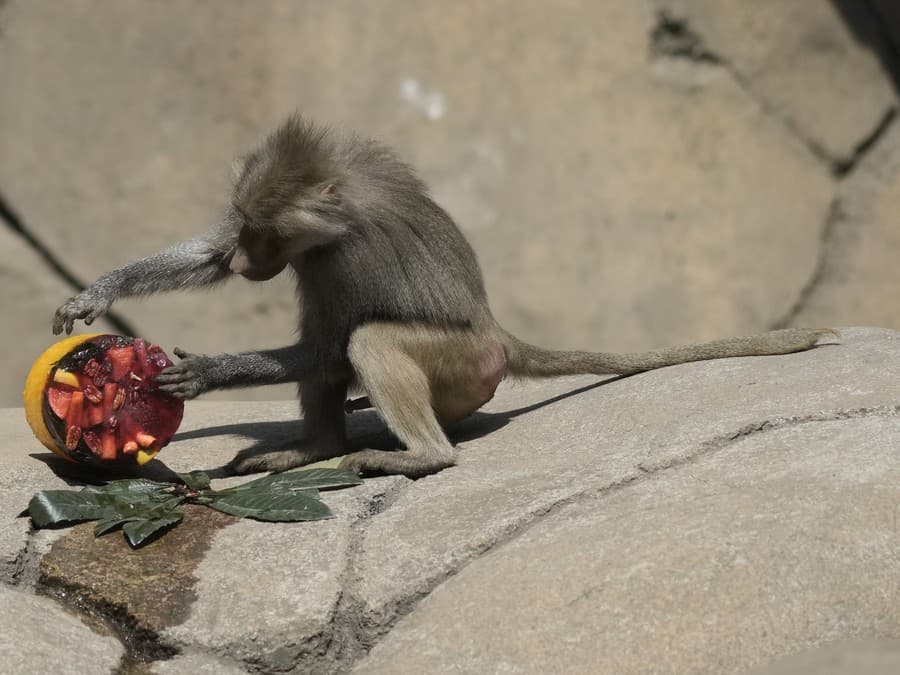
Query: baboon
{"type": "Point", "coordinates": [393, 303]}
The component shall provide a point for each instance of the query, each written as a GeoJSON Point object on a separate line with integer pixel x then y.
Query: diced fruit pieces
{"type": "Point", "coordinates": [59, 398]}
{"type": "Point", "coordinates": [93, 416]}
{"type": "Point", "coordinates": [108, 445]}
{"type": "Point", "coordinates": [76, 406]}
{"type": "Point", "coordinates": [98, 400]}
{"type": "Point", "coordinates": [121, 359]}
{"type": "Point", "coordinates": [66, 378]}
{"type": "Point", "coordinates": [92, 394]}
{"type": "Point", "coordinates": [144, 456]}
{"type": "Point", "coordinates": [91, 368]}
{"type": "Point", "coordinates": [73, 435]}
{"type": "Point", "coordinates": [140, 357]}
{"type": "Point", "coordinates": [92, 440]}
{"type": "Point", "coordinates": [110, 390]}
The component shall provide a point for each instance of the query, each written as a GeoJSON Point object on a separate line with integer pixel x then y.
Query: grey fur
{"type": "Point", "coordinates": [393, 302]}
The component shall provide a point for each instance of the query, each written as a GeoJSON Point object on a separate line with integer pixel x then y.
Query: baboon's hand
{"type": "Point", "coordinates": [188, 378]}
{"type": "Point", "coordinates": [86, 305]}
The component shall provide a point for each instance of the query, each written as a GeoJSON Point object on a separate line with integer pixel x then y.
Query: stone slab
{"type": "Point", "coordinates": [21, 477]}
{"type": "Point", "coordinates": [646, 182]}
{"type": "Point", "coordinates": [287, 601]}
{"type": "Point", "coordinates": [118, 132]}
{"type": "Point", "coordinates": [196, 663]}
{"type": "Point", "coordinates": [781, 539]}
{"type": "Point", "coordinates": [540, 445]}
{"type": "Point", "coordinates": [282, 581]}
{"type": "Point", "coordinates": [545, 457]}
{"type": "Point", "coordinates": [859, 278]}
{"type": "Point", "coordinates": [37, 636]}
{"type": "Point", "coordinates": [848, 657]}
{"type": "Point", "coordinates": [815, 71]}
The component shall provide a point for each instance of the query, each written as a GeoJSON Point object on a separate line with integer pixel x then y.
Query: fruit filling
{"type": "Point", "coordinates": [102, 400]}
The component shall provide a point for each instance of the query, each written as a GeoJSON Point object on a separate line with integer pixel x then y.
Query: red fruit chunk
{"type": "Point", "coordinates": [108, 448]}
{"type": "Point", "coordinates": [110, 390]}
{"type": "Point", "coordinates": [140, 357]}
{"type": "Point", "coordinates": [76, 406]}
{"type": "Point", "coordinates": [59, 398]}
{"type": "Point", "coordinates": [93, 415]}
{"type": "Point", "coordinates": [120, 358]}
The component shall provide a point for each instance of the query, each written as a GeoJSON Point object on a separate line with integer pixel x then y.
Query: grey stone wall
{"type": "Point", "coordinates": [632, 174]}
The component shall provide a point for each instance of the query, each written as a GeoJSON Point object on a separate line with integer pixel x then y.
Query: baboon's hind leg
{"type": "Point", "coordinates": [400, 391]}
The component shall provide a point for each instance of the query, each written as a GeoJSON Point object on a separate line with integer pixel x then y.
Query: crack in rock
{"type": "Point", "coordinates": [24, 570]}
{"type": "Point", "coordinates": [774, 424]}
{"type": "Point", "coordinates": [835, 215]}
{"type": "Point", "coordinates": [346, 638]}
{"type": "Point", "coordinates": [841, 168]}
{"type": "Point", "coordinates": [673, 37]}
{"type": "Point", "coordinates": [366, 630]}
{"type": "Point", "coordinates": [132, 594]}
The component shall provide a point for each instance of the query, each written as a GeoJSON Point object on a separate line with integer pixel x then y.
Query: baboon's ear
{"type": "Point", "coordinates": [329, 190]}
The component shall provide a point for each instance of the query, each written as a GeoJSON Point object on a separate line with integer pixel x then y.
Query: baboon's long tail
{"type": "Point", "coordinates": [529, 361]}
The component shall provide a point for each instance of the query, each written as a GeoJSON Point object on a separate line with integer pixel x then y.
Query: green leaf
{"type": "Point", "coordinates": [195, 480]}
{"type": "Point", "coordinates": [130, 487]}
{"type": "Point", "coordinates": [287, 506]}
{"type": "Point", "coordinates": [50, 507]}
{"type": "Point", "coordinates": [139, 531]}
{"type": "Point", "coordinates": [321, 478]}
{"type": "Point", "coordinates": [108, 525]}
{"type": "Point", "coordinates": [121, 513]}
{"type": "Point", "coordinates": [293, 481]}
{"type": "Point", "coordinates": [144, 507]}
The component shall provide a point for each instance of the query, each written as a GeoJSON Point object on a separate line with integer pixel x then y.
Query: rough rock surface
{"type": "Point", "coordinates": [196, 663]}
{"type": "Point", "coordinates": [707, 517]}
{"type": "Point", "coordinates": [734, 560]}
{"type": "Point", "coordinates": [682, 171]}
{"type": "Point", "coordinates": [803, 60]}
{"type": "Point", "coordinates": [38, 636]}
{"type": "Point", "coordinates": [858, 278]}
{"type": "Point", "coordinates": [852, 657]}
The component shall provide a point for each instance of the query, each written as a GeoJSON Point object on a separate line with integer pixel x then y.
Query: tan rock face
{"type": "Point", "coordinates": [707, 517]}
{"type": "Point", "coordinates": [154, 585]}
{"type": "Point", "coordinates": [859, 277]}
{"type": "Point", "coordinates": [39, 636]}
{"type": "Point", "coordinates": [30, 296]}
{"type": "Point", "coordinates": [809, 65]}
{"type": "Point", "coordinates": [617, 199]}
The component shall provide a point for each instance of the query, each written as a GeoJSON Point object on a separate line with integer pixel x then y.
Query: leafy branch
{"type": "Point", "coordinates": [143, 508]}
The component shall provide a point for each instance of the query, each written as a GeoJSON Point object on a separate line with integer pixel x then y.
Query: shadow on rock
{"type": "Point", "coordinates": [76, 474]}
{"type": "Point", "coordinates": [364, 429]}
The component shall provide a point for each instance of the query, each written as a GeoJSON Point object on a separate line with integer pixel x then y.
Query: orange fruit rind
{"type": "Point", "coordinates": [36, 385]}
